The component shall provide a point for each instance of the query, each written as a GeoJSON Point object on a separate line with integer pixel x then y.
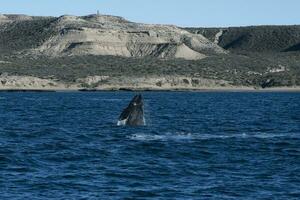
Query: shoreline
{"type": "Point", "coordinates": [106, 83]}
{"type": "Point", "coordinates": [208, 89]}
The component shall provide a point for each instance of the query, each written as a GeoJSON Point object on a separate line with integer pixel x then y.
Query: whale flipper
{"type": "Point", "coordinates": [133, 114]}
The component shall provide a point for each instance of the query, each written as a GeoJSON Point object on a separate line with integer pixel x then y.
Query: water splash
{"type": "Point", "coordinates": [121, 122]}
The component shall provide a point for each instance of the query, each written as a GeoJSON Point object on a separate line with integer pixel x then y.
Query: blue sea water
{"type": "Point", "coordinates": [196, 145]}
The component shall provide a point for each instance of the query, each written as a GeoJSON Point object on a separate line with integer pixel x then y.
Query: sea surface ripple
{"type": "Point", "coordinates": [196, 145]}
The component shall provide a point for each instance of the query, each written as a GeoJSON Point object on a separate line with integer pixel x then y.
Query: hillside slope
{"type": "Point", "coordinates": [254, 38]}
{"type": "Point", "coordinates": [100, 35]}
{"type": "Point", "coordinates": [23, 33]}
{"type": "Point", "coordinates": [69, 50]}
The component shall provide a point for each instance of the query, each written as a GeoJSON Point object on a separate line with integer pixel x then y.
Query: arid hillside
{"type": "Point", "coordinates": [100, 35]}
{"type": "Point", "coordinates": [71, 49]}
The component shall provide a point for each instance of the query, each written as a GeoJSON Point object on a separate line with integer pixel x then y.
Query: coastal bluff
{"type": "Point", "coordinates": [72, 52]}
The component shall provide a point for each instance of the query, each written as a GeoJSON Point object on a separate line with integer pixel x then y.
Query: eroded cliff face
{"type": "Point", "coordinates": [109, 35]}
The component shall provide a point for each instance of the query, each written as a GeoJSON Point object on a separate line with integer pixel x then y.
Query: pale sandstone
{"type": "Point", "coordinates": [110, 35]}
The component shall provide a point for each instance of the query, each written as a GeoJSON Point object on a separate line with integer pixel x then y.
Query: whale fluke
{"type": "Point", "coordinates": [133, 114]}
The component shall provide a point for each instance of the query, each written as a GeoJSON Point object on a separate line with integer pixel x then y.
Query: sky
{"type": "Point", "coordinates": [185, 13]}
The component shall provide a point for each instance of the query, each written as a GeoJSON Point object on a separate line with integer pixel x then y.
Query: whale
{"type": "Point", "coordinates": [133, 114]}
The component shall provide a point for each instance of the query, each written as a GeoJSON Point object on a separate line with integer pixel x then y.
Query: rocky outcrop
{"type": "Point", "coordinates": [111, 83]}
{"type": "Point", "coordinates": [110, 35]}
{"type": "Point", "coordinates": [151, 83]}
{"type": "Point", "coordinates": [26, 82]}
{"type": "Point", "coordinates": [3, 17]}
{"type": "Point", "coordinates": [91, 83]}
{"type": "Point", "coordinates": [163, 83]}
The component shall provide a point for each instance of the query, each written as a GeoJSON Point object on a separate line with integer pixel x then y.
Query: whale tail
{"type": "Point", "coordinates": [133, 114]}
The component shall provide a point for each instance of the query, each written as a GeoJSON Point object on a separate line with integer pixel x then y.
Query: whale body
{"type": "Point", "coordinates": [133, 114]}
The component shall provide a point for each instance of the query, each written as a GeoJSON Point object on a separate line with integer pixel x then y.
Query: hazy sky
{"type": "Point", "coordinates": [204, 13]}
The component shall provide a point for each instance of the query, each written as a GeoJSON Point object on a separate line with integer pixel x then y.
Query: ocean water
{"type": "Point", "coordinates": [196, 145]}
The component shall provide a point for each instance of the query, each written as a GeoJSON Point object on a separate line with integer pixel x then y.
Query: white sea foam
{"type": "Point", "coordinates": [145, 137]}
{"type": "Point", "coordinates": [198, 136]}
{"type": "Point", "coordinates": [167, 136]}
{"type": "Point", "coordinates": [122, 122]}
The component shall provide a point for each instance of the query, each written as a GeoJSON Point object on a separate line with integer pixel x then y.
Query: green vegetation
{"type": "Point", "coordinates": [263, 56]}
{"type": "Point", "coordinates": [248, 70]}
{"type": "Point", "coordinates": [22, 35]}
{"type": "Point", "coordinates": [254, 38]}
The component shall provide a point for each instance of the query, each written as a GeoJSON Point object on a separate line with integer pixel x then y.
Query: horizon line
{"type": "Point", "coordinates": [168, 24]}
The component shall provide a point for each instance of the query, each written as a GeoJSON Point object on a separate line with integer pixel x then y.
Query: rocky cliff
{"type": "Point", "coordinates": [109, 35]}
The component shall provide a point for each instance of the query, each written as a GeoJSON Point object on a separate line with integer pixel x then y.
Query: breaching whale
{"type": "Point", "coordinates": [133, 114]}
